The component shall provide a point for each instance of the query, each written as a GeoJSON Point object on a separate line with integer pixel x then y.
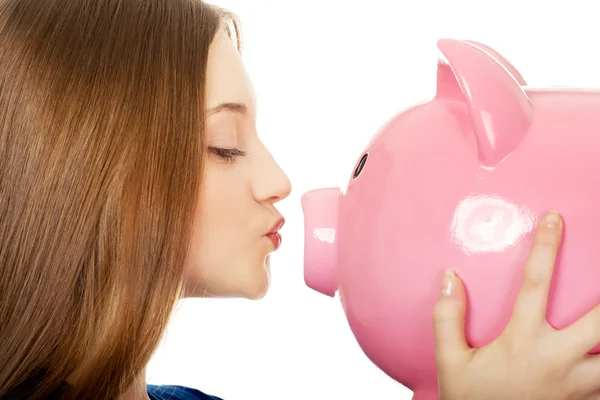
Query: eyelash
{"type": "Point", "coordinates": [228, 155]}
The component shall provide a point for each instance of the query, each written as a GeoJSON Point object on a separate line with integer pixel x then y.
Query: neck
{"type": "Point", "coordinates": [137, 389]}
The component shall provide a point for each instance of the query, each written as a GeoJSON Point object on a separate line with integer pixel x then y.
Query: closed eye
{"type": "Point", "coordinates": [228, 155]}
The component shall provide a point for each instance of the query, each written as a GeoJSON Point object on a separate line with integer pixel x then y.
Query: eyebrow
{"type": "Point", "coordinates": [238, 108]}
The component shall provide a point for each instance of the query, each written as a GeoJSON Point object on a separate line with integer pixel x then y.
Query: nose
{"type": "Point", "coordinates": [270, 183]}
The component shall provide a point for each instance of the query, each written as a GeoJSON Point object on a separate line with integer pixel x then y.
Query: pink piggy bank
{"type": "Point", "coordinates": [459, 182]}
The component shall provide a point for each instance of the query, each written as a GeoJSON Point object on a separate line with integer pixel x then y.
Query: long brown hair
{"type": "Point", "coordinates": [101, 121]}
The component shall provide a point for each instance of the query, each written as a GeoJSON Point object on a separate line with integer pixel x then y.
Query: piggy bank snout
{"type": "Point", "coordinates": [320, 208]}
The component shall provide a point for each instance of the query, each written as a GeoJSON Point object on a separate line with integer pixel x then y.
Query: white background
{"type": "Point", "coordinates": [328, 74]}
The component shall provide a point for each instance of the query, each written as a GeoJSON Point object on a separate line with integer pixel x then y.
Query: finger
{"type": "Point", "coordinates": [530, 308]}
{"type": "Point", "coordinates": [449, 323]}
{"type": "Point", "coordinates": [593, 396]}
{"type": "Point", "coordinates": [582, 335]}
{"type": "Point", "coordinates": [585, 377]}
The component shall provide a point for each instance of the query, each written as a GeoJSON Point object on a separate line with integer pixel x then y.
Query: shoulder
{"type": "Point", "coordinates": [174, 392]}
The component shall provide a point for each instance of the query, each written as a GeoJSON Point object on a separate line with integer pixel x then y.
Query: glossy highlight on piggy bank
{"type": "Point", "coordinates": [459, 182]}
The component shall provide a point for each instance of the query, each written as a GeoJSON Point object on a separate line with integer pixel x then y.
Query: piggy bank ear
{"type": "Point", "coordinates": [500, 58]}
{"type": "Point", "coordinates": [499, 108]}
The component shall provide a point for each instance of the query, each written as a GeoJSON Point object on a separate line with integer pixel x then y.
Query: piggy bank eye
{"type": "Point", "coordinates": [360, 166]}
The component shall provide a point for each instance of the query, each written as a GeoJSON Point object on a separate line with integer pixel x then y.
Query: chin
{"type": "Point", "coordinates": [256, 294]}
{"type": "Point", "coordinates": [258, 285]}
{"type": "Point", "coordinates": [247, 281]}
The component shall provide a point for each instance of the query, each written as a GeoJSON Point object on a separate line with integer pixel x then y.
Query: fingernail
{"type": "Point", "coordinates": [552, 220]}
{"type": "Point", "coordinates": [448, 283]}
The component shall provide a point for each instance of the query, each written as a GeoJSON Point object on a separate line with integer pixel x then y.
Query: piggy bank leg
{"type": "Point", "coordinates": [426, 394]}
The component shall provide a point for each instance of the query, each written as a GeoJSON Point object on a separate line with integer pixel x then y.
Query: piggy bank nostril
{"type": "Point", "coordinates": [360, 166]}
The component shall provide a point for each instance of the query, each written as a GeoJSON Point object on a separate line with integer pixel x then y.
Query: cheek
{"type": "Point", "coordinates": [223, 202]}
{"type": "Point", "coordinates": [220, 219]}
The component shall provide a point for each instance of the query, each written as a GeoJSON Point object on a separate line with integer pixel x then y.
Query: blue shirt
{"type": "Point", "coordinates": [155, 392]}
{"type": "Point", "coordinates": [172, 392]}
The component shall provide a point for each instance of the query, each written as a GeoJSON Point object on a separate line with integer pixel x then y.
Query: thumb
{"type": "Point", "coordinates": [449, 322]}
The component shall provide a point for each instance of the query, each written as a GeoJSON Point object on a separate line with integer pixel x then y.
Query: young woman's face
{"type": "Point", "coordinates": [236, 218]}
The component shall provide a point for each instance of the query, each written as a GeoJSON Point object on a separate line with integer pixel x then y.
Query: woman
{"type": "Point", "coordinates": [131, 175]}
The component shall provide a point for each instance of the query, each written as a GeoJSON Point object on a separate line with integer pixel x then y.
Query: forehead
{"type": "Point", "coordinates": [227, 78]}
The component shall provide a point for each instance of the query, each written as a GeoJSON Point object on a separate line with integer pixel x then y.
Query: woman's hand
{"type": "Point", "coordinates": [529, 360]}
